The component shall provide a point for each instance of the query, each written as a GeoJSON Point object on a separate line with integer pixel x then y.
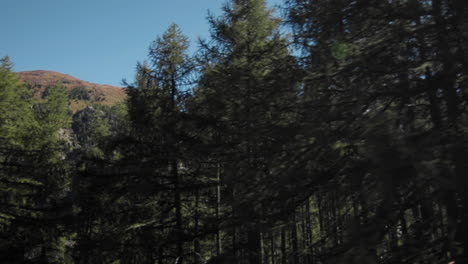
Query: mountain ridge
{"type": "Point", "coordinates": [82, 93]}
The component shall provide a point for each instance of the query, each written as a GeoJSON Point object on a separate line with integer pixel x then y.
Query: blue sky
{"type": "Point", "coordinates": [95, 40]}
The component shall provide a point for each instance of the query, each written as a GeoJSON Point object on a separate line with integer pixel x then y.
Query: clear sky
{"type": "Point", "coordinates": [95, 40]}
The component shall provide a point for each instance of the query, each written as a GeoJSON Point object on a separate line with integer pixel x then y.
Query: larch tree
{"type": "Point", "coordinates": [156, 110]}
{"type": "Point", "coordinates": [384, 89]}
{"type": "Point", "coordinates": [35, 178]}
{"type": "Point", "coordinates": [244, 88]}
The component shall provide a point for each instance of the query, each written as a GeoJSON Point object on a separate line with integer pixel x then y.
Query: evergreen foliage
{"type": "Point", "coordinates": [34, 175]}
{"type": "Point", "coordinates": [344, 141]}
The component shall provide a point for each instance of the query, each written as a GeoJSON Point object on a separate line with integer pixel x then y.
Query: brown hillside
{"type": "Point", "coordinates": [82, 93]}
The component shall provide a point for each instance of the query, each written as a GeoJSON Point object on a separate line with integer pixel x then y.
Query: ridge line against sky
{"type": "Point", "coordinates": [98, 41]}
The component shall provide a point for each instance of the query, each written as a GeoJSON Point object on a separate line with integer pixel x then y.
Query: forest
{"type": "Point", "coordinates": [327, 131]}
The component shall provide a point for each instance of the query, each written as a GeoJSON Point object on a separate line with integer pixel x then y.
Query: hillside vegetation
{"type": "Point", "coordinates": [81, 93]}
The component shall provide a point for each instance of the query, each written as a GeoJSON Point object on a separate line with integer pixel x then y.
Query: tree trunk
{"type": "Point", "coordinates": [178, 211]}
{"type": "Point", "coordinates": [295, 245]}
{"type": "Point", "coordinates": [218, 207]}
{"type": "Point", "coordinates": [254, 244]}
{"type": "Point", "coordinates": [196, 242]}
{"type": "Point", "coordinates": [283, 246]}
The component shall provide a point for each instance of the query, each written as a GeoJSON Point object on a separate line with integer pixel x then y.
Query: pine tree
{"type": "Point", "coordinates": [244, 87]}
{"type": "Point", "coordinates": [378, 101]}
{"type": "Point", "coordinates": [16, 119]}
{"type": "Point", "coordinates": [34, 177]}
{"type": "Point", "coordinates": [156, 110]}
{"type": "Point", "coordinates": [53, 115]}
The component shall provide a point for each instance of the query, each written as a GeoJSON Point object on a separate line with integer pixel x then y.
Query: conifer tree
{"type": "Point", "coordinates": [16, 118]}
{"type": "Point", "coordinates": [244, 87]}
{"type": "Point", "coordinates": [34, 177]}
{"type": "Point", "coordinates": [377, 98]}
{"type": "Point", "coordinates": [156, 110]}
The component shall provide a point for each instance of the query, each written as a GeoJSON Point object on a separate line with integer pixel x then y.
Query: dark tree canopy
{"type": "Point", "coordinates": [337, 133]}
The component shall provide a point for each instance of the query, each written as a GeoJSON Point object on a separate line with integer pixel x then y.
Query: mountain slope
{"type": "Point", "coordinates": [82, 93]}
